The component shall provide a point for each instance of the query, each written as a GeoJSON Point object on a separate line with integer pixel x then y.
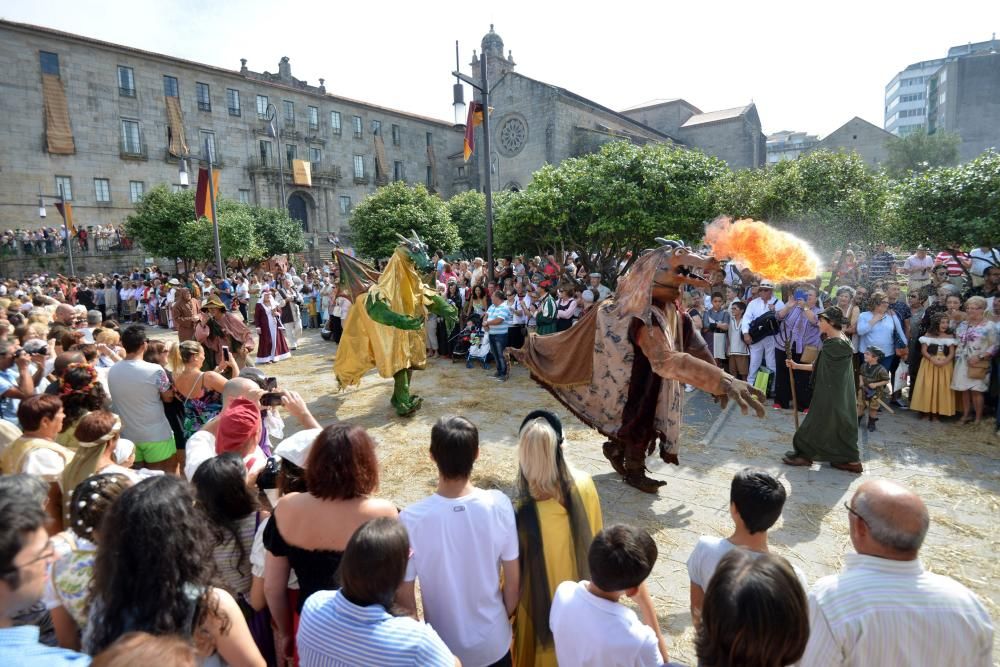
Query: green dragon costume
{"type": "Point", "coordinates": [388, 332]}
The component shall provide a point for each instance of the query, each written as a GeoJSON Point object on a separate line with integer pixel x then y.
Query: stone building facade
{"type": "Point", "coordinates": [857, 135]}
{"type": "Point", "coordinates": [118, 103]}
{"type": "Point", "coordinates": [964, 98]}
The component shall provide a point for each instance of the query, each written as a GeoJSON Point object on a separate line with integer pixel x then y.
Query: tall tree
{"type": "Point", "coordinates": [919, 151]}
{"type": "Point", "coordinates": [468, 213]}
{"type": "Point", "coordinates": [396, 209]}
{"type": "Point", "coordinates": [277, 233]}
{"type": "Point", "coordinates": [157, 221]}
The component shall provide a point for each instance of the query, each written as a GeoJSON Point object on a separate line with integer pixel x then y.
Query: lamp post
{"type": "Point", "coordinates": [69, 239]}
{"type": "Point", "coordinates": [185, 180]}
{"type": "Point", "coordinates": [483, 86]}
{"type": "Point", "coordinates": [272, 131]}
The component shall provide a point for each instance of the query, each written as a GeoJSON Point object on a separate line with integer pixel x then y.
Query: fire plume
{"type": "Point", "coordinates": [773, 254]}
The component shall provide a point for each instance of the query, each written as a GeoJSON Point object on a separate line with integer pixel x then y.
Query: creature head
{"type": "Point", "coordinates": [658, 276]}
{"type": "Point", "coordinates": [416, 250]}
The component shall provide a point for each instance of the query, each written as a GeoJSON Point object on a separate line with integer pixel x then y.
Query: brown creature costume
{"type": "Point", "coordinates": [620, 368]}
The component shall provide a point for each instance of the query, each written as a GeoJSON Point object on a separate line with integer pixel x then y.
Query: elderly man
{"type": "Point", "coordinates": [595, 284]}
{"type": "Point", "coordinates": [763, 350]}
{"type": "Point", "coordinates": [884, 608]}
{"type": "Point", "coordinates": [918, 268]}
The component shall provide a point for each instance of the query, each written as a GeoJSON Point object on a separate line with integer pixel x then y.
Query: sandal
{"type": "Point", "coordinates": [796, 461]}
{"type": "Point", "coordinates": [855, 467]}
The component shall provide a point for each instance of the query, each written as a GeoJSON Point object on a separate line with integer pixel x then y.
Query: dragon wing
{"type": "Point", "coordinates": [355, 275]}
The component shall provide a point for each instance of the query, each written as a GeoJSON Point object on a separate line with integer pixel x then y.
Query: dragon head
{"type": "Point", "coordinates": [680, 266]}
{"type": "Point", "coordinates": [416, 250]}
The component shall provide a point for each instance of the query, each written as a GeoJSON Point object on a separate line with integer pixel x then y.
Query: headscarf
{"type": "Point", "coordinates": [237, 424]}
{"type": "Point", "coordinates": [529, 533]}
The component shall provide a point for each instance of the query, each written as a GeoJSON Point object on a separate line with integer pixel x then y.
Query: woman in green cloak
{"type": "Point", "coordinates": [830, 430]}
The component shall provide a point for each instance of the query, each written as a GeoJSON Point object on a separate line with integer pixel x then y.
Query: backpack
{"type": "Point", "coordinates": [764, 326]}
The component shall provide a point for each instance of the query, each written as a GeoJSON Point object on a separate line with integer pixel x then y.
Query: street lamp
{"type": "Point", "coordinates": [183, 178]}
{"type": "Point", "coordinates": [62, 204]}
{"type": "Point", "coordinates": [483, 86]}
{"type": "Point", "coordinates": [272, 131]}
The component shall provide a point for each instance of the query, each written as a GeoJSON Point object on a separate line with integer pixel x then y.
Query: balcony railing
{"type": "Point", "coordinates": [133, 150]}
{"type": "Point", "coordinates": [17, 244]}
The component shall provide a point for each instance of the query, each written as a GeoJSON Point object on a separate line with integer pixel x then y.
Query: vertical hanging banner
{"type": "Point", "coordinates": [202, 203]}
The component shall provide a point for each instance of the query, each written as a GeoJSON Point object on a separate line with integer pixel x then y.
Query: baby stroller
{"type": "Point", "coordinates": [478, 342]}
{"type": "Point", "coordinates": [461, 342]}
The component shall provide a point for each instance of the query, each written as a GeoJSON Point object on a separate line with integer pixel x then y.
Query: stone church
{"type": "Point", "coordinates": [534, 123]}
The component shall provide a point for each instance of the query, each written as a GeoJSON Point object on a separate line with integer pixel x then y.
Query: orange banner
{"type": "Point", "coordinates": [202, 203]}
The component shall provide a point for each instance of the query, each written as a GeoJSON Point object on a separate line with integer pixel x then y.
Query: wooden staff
{"type": "Point", "coordinates": [791, 375]}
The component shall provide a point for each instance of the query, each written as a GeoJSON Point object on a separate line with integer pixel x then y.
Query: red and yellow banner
{"type": "Point", "coordinates": [202, 203]}
{"type": "Point", "coordinates": [66, 211]}
{"type": "Point", "coordinates": [475, 118]}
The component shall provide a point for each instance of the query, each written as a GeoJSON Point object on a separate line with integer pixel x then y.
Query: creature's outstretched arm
{"type": "Point", "coordinates": [379, 311]}
{"type": "Point", "coordinates": [689, 369]}
{"type": "Point", "coordinates": [442, 308]}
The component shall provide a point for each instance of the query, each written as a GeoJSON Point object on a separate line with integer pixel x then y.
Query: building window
{"type": "Point", "coordinates": [430, 138]}
{"type": "Point", "coordinates": [244, 196]}
{"type": "Point", "coordinates": [49, 62]}
{"type": "Point", "coordinates": [291, 152]}
{"type": "Point", "coordinates": [429, 179]}
{"type": "Point", "coordinates": [265, 153]}
{"type": "Point", "coordinates": [395, 135]}
{"type": "Point", "coordinates": [170, 86]}
{"type": "Point", "coordinates": [64, 186]}
{"type": "Point", "coordinates": [376, 127]}
{"type": "Point", "coordinates": [315, 156]}
{"type": "Point", "coordinates": [397, 171]}
{"type": "Point", "coordinates": [345, 204]}
{"type": "Point", "coordinates": [262, 107]}
{"type": "Point", "coordinates": [131, 137]}
{"type": "Point", "coordinates": [359, 166]}
{"type": "Point", "coordinates": [233, 101]}
{"type": "Point", "coordinates": [126, 81]}
{"type": "Point", "coordinates": [335, 122]}
{"type": "Point", "coordinates": [102, 190]}
{"type": "Point", "coordinates": [135, 191]}
{"type": "Point", "coordinates": [289, 108]}
{"type": "Point", "coordinates": [313, 118]}
{"type": "Point", "coordinates": [208, 144]}
{"type": "Point", "coordinates": [358, 127]}
{"type": "Point", "coordinates": [204, 96]}
{"type": "Point", "coordinates": [461, 172]}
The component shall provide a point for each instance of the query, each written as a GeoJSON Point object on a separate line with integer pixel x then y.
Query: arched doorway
{"type": "Point", "coordinates": [298, 210]}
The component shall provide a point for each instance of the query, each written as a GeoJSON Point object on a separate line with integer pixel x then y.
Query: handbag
{"type": "Point", "coordinates": [977, 370]}
{"type": "Point", "coordinates": [902, 350]}
{"type": "Point", "coordinates": [764, 326]}
{"type": "Point", "coordinates": [810, 353]}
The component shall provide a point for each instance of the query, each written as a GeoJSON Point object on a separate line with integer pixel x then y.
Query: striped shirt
{"type": "Point", "coordinates": [953, 265]}
{"type": "Point", "coordinates": [335, 632]}
{"type": "Point", "coordinates": [888, 612]}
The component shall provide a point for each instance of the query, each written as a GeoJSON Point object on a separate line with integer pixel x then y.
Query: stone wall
{"type": "Point", "coordinates": [737, 141]}
{"type": "Point", "coordinates": [859, 136]}
{"type": "Point", "coordinates": [17, 266]}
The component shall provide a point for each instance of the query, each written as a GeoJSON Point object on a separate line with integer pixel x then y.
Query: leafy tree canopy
{"type": "Point", "coordinates": [277, 232]}
{"type": "Point", "coordinates": [919, 151]}
{"type": "Point", "coordinates": [468, 213]}
{"type": "Point", "coordinates": [398, 208]}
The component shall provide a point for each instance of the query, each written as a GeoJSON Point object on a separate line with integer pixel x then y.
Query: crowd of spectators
{"type": "Point", "coordinates": [51, 240]}
{"type": "Point", "coordinates": [153, 510]}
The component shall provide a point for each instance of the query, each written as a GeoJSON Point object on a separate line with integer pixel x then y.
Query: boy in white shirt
{"type": "Point", "coordinates": [461, 538]}
{"type": "Point", "coordinates": [590, 628]}
{"type": "Point", "coordinates": [756, 499]}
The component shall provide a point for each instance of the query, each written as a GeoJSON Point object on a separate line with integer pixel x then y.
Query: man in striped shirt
{"type": "Point", "coordinates": [884, 608]}
{"type": "Point", "coordinates": [956, 262]}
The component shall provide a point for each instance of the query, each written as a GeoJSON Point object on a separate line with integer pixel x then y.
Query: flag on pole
{"type": "Point", "coordinates": [66, 211]}
{"type": "Point", "coordinates": [475, 118]}
{"type": "Point", "coordinates": [202, 203]}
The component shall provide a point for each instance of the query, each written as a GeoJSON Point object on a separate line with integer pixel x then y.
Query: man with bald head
{"type": "Point", "coordinates": [884, 608]}
{"type": "Point", "coordinates": [64, 315]}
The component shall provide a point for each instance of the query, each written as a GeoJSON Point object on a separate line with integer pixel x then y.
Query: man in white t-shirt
{"type": "Point", "coordinates": [918, 267]}
{"type": "Point", "coordinates": [756, 499]}
{"type": "Point", "coordinates": [982, 258]}
{"type": "Point", "coordinates": [461, 538]}
{"type": "Point", "coordinates": [763, 350]}
{"type": "Point", "coordinates": [589, 626]}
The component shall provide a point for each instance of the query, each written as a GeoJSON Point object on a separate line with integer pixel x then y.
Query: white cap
{"type": "Point", "coordinates": [295, 448]}
{"type": "Point", "coordinates": [124, 449]}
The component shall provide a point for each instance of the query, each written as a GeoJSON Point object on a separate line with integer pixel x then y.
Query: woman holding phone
{"type": "Point", "coordinates": [798, 340]}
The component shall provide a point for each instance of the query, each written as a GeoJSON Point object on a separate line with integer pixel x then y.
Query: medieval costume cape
{"type": "Point", "coordinates": [830, 430]}
{"type": "Point", "coordinates": [366, 344]}
{"type": "Point", "coordinates": [271, 345]}
{"type": "Point", "coordinates": [598, 371]}
{"type": "Point", "coordinates": [185, 314]}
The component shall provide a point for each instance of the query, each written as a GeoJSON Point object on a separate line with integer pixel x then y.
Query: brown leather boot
{"type": "Point", "coordinates": [615, 453]}
{"type": "Point", "coordinates": [635, 475]}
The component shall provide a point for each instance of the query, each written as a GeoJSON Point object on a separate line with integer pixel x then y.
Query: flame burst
{"type": "Point", "coordinates": [772, 253]}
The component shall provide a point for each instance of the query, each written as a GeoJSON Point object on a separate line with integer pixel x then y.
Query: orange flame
{"type": "Point", "coordinates": [775, 255]}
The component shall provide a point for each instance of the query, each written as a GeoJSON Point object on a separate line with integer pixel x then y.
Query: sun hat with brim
{"type": "Point", "coordinates": [295, 448]}
{"type": "Point", "coordinates": [766, 284]}
{"type": "Point", "coordinates": [835, 316]}
{"type": "Point", "coordinates": [213, 302]}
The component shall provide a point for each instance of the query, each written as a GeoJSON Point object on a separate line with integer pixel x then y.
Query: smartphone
{"type": "Point", "coordinates": [270, 383]}
{"type": "Point", "coordinates": [225, 353]}
{"type": "Point", "coordinates": [800, 295]}
{"type": "Point", "coordinates": [271, 398]}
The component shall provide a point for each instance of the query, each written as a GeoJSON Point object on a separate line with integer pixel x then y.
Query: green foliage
{"type": "Point", "coordinates": [158, 219]}
{"type": "Point", "coordinates": [468, 214]}
{"type": "Point", "coordinates": [919, 151]}
{"type": "Point", "coordinates": [611, 202]}
{"type": "Point", "coordinates": [398, 208]}
{"type": "Point", "coordinates": [164, 225]}
{"type": "Point", "coordinates": [827, 198]}
{"type": "Point", "coordinates": [277, 232]}
{"type": "Point", "coordinates": [949, 205]}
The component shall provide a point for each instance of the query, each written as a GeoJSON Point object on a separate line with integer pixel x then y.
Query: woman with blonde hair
{"type": "Point", "coordinates": [977, 344]}
{"type": "Point", "coordinates": [558, 513]}
{"type": "Point", "coordinates": [201, 391]}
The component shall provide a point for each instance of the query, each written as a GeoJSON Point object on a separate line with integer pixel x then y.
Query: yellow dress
{"type": "Point", "coordinates": [560, 566]}
{"type": "Point", "coordinates": [932, 393]}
